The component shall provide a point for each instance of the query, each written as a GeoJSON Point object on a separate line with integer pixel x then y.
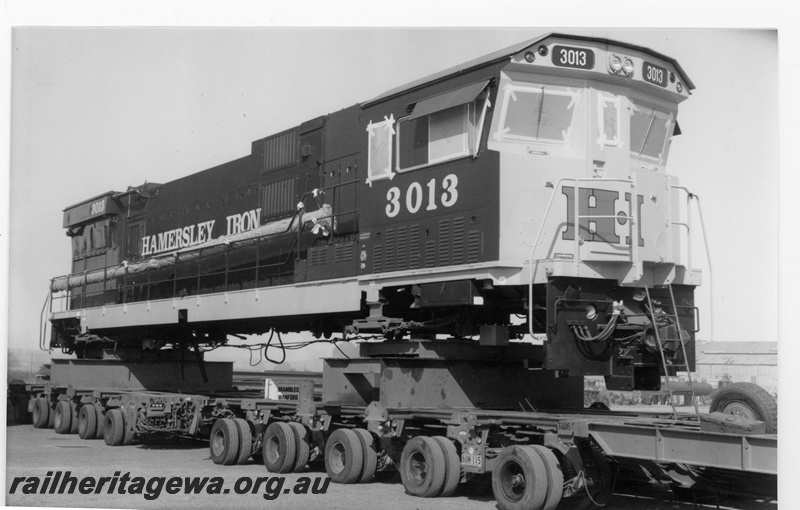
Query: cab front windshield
{"type": "Point", "coordinates": [537, 113]}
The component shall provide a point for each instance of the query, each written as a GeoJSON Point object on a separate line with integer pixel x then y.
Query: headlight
{"type": "Point", "coordinates": [627, 67]}
{"type": "Point", "coordinates": [615, 63]}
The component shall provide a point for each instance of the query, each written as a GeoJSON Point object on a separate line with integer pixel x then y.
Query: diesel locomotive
{"type": "Point", "coordinates": [513, 211]}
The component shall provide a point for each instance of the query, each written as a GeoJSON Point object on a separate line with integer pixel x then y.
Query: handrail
{"type": "Point", "coordinates": [689, 197]}
{"type": "Point", "coordinates": [42, 321]}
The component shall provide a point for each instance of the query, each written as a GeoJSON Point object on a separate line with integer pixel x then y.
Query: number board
{"type": "Point", "coordinates": [654, 74]}
{"type": "Point", "coordinates": [578, 58]}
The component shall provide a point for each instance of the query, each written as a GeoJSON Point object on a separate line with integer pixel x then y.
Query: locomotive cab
{"type": "Point", "coordinates": [583, 128]}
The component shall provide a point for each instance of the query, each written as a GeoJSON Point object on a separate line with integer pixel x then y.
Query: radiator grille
{"type": "Point", "coordinates": [278, 197]}
{"type": "Point", "coordinates": [280, 150]}
{"type": "Point", "coordinates": [406, 247]}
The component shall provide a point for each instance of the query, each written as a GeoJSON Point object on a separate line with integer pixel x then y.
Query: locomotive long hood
{"type": "Point", "coordinates": [319, 217]}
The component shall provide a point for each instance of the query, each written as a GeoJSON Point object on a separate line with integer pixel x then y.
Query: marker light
{"type": "Point", "coordinates": [679, 87]}
{"type": "Point", "coordinates": [529, 56]}
{"type": "Point", "coordinates": [627, 67]}
{"type": "Point", "coordinates": [615, 63]}
{"type": "Point", "coordinates": [543, 50]}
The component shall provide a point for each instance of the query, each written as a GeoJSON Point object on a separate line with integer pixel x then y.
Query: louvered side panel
{"type": "Point", "coordinates": [414, 247]}
{"type": "Point", "coordinates": [473, 246]}
{"type": "Point", "coordinates": [458, 255]}
{"type": "Point", "coordinates": [390, 250]}
{"type": "Point", "coordinates": [401, 249]}
{"type": "Point", "coordinates": [444, 243]}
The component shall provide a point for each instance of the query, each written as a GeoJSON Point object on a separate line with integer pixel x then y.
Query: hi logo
{"type": "Point", "coordinates": [604, 217]}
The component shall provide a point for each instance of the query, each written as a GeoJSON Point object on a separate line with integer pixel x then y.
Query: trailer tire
{"type": "Point", "coordinates": [519, 479]}
{"type": "Point", "coordinates": [41, 413]}
{"type": "Point", "coordinates": [100, 431]}
{"type": "Point", "coordinates": [245, 441]}
{"type": "Point", "coordinates": [73, 423]}
{"type": "Point", "coordinates": [63, 418]}
{"type": "Point", "coordinates": [129, 431]}
{"type": "Point", "coordinates": [278, 448]}
{"type": "Point", "coordinates": [748, 400]}
{"type": "Point", "coordinates": [423, 467]}
{"type": "Point", "coordinates": [114, 428]}
{"type": "Point", "coordinates": [370, 455]}
{"type": "Point", "coordinates": [302, 447]}
{"type": "Point", "coordinates": [87, 422]}
{"type": "Point", "coordinates": [223, 443]}
{"type": "Point", "coordinates": [452, 475]}
{"type": "Point", "coordinates": [344, 458]}
{"type": "Point", "coordinates": [555, 478]}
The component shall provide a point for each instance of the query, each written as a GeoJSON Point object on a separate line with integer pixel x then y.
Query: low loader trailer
{"type": "Point", "coordinates": [382, 417]}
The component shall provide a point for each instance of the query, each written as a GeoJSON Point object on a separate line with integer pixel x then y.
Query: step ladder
{"type": "Point", "coordinates": [680, 340]}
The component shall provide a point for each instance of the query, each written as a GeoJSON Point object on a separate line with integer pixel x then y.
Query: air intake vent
{"type": "Point", "coordinates": [444, 243]}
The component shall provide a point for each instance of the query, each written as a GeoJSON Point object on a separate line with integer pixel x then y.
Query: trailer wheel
{"type": "Point", "coordinates": [423, 467]}
{"type": "Point", "coordinates": [87, 422]}
{"type": "Point", "coordinates": [245, 441]}
{"type": "Point", "coordinates": [748, 400]}
{"type": "Point", "coordinates": [519, 479]}
{"type": "Point", "coordinates": [452, 474]}
{"type": "Point", "coordinates": [555, 478]}
{"type": "Point", "coordinates": [129, 432]}
{"type": "Point", "coordinates": [302, 447]}
{"type": "Point", "coordinates": [344, 458]}
{"type": "Point", "coordinates": [370, 455]}
{"type": "Point", "coordinates": [41, 413]}
{"type": "Point", "coordinates": [63, 418]}
{"type": "Point", "coordinates": [73, 422]}
{"type": "Point", "coordinates": [114, 428]}
{"type": "Point", "coordinates": [278, 448]}
{"type": "Point", "coordinates": [224, 442]}
{"type": "Point", "coordinates": [101, 420]}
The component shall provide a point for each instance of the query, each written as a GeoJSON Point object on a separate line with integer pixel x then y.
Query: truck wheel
{"type": "Point", "coordinates": [63, 419]}
{"type": "Point", "coordinates": [748, 400]}
{"type": "Point", "coordinates": [87, 422]}
{"type": "Point", "coordinates": [129, 432]}
{"type": "Point", "coordinates": [278, 448]}
{"type": "Point", "coordinates": [452, 474]}
{"type": "Point", "coordinates": [423, 467]}
{"type": "Point", "coordinates": [519, 479]}
{"type": "Point", "coordinates": [41, 413]}
{"type": "Point", "coordinates": [114, 428]}
{"type": "Point", "coordinates": [101, 420]}
{"type": "Point", "coordinates": [245, 441]}
{"type": "Point", "coordinates": [344, 459]}
{"type": "Point", "coordinates": [73, 422]}
{"type": "Point", "coordinates": [370, 455]}
{"type": "Point", "coordinates": [555, 478]}
{"type": "Point", "coordinates": [224, 442]}
{"type": "Point", "coordinates": [302, 447]}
